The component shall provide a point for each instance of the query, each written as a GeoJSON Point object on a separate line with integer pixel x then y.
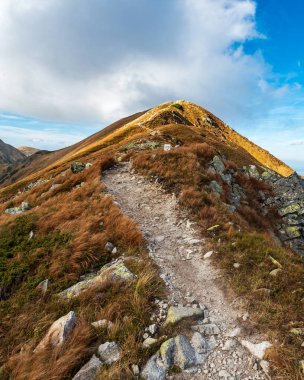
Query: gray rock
{"type": "Point", "coordinates": [135, 369]}
{"type": "Point", "coordinates": [218, 164]}
{"type": "Point", "coordinates": [90, 370]}
{"type": "Point", "coordinates": [43, 286]}
{"type": "Point", "coordinates": [179, 352]}
{"type": "Point", "coordinates": [154, 369]}
{"type": "Point", "coordinates": [216, 187]}
{"type": "Point", "coordinates": [200, 345]}
{"type": "Point", "coordinates": [152, 329]}
{"type": "Point", "coordinates": [109, 247]}
{"type": "Point", "coordinates": [58, 332]}
{"type": "Point", "coordinates": [109, 352]}
{"type": "Point", "coordinates": [103, 323]}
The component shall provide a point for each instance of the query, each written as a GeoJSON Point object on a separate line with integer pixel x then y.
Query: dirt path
{"type": "Point", "coordinates": [175, 245]}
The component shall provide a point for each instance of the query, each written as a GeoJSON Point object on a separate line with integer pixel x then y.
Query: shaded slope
{"type": "Point", "coordinates": [9, 154]}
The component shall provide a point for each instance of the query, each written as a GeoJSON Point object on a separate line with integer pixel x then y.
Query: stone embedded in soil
{"type": "Point", "coordinates": [58, 332]}
{"type": "Point", "coordinates": [178, 313]}
{"type": "Point", "coordinates": [257, 349]}
{"type": "Point", "coordinates": [154, 369]}
{"type": "Point", "coordinates": [109, 352]}
{"type": "Point", "coordinates": [112, 271]}
{"type": "Point", "coordinates": [90, 370]}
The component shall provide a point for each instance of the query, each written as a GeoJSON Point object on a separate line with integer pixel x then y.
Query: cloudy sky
{"type": "Point", "coordinates": [70, 67]}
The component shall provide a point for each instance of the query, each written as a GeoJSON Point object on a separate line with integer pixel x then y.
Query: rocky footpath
{"type": "Point", "coordinates": [213, 345]}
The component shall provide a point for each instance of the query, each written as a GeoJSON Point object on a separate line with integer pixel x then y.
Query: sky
{"type": "Point", "coordinates": [68, 68]}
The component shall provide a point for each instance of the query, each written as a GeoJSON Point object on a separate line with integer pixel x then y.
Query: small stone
{"type": "Point", "coordinates": [148, 342]}
{"type": "Point", "coordinates": [109, 247]}
{"type": "Point", "coordinates": [236, 265]}
{"type": "Point", "coordinates": [301, 366]}
{"type": "Point", "coordinates": [109, 352]}
{"type": "Point", "coordinates": [103, 323]}
{"type": "Point", "coordinates": [258, 350]}
{"type": "Point", "coordinates": [265, 366]}
{"type": "Point", "coordinates": [229, 345]}
{"type": "Point", "coordinates": [31, 235]}
{"type": "Point", "coordinates": [43, 286]}
{"type": "Point", "coordinates": [235, 332]}
{"type": "Point", "coordinates": [152, 329]}
{"type": "Point", "coordinates": [208, 254]}
{"type": "Point", "coordinates": [135, 369]}
{"type": "Point", "coordinates": [275, 272]}
{"type": "Point", "coordinates": [145, 336]}
{"type": "Point", "coordinates": [207, 329]}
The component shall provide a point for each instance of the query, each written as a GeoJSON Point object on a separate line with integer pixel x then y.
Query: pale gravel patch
{"type": "Point", "coordinates": [176, 246]}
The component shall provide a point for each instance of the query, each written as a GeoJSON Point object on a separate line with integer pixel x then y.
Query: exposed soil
{"type": "Point", "coordinates": [176, 245]}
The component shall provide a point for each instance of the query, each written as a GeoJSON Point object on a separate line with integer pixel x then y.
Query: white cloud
{"type": "Point", "coordinates": [98, 60]}
{"type": "Point", "coordinates": [41, 139]}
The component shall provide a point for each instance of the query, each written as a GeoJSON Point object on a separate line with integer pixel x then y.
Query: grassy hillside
{"type": "Point", "coordinates": [72, 222]}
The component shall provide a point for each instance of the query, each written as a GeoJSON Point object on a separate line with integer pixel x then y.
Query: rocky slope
{"type": "Point", "coordinates": [159, 247]}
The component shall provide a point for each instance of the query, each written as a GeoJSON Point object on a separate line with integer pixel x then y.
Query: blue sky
{"type": "Point", "coordinates": [69, 68]}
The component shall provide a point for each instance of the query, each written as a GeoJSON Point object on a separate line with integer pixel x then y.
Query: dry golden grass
{"type": "Point", "coordinates": [71, 226]}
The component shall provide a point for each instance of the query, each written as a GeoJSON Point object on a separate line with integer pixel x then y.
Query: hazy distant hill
{"type": "Point", "coordinates": [9, 154]}
{"type": "Point", "coordinates": [28, 150]}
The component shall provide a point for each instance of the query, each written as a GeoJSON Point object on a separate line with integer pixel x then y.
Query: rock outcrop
{"type": "Point", "coordinates": [58, 332]}
{"type": "Point", "coordinates": [112, 271]}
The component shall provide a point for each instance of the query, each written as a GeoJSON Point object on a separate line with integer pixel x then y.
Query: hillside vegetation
{"type": "Point", "coordinates": [72, 218]}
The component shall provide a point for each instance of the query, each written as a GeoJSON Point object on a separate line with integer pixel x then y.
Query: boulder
{"type": "Point", "coordinates": [77, 167]}
{"type": "Point", "coordinates": [18, 210]}
{"type": "Point", "coordinates": [58, 332]}
{"type": "Point", "coordinates": [176, 314]}
{"type": "Point", "coordinates": [90, 370]}
{"type": "Point", "coordinates": [154, 369]}
{"type": "Point", "coordinates": [200, 345]}
{"type": "Point", "coordinates": [112, 271]}
{"type": "Point", "coordinates": [178, 352]}
{"type": "Point", "coordinates": [109, 352]}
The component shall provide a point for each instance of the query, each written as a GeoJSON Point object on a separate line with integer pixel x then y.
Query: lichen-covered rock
{"type": "Point", "coordinates": [289, 209]}
{"type": "Point", "coordinates": [77, 167]}
{"type": "Point", "coordinates": [18, 210]}
{"type": "Point", "coordinates": [178, 352]}
{"type": "Point", "coordinates": [216, 188]}
{"type": "Point", "coordinates": [293, 232]}
{"type": "Point", "coordinates": [154, 369]}
{"type": "Point", "coordinates": [90, 370]}
{"type": "Point", "coordinates": [109, 352]}
{"type": "Point", "coordinates": [218, 164]}
{"type": "Point", "coordinates": [112, 271]}
{"type": "Point", "coordinates": [176, 314]}
{"type": "Point", "coordinates": [58, 332]}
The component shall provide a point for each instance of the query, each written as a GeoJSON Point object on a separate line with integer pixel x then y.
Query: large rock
{"type": "Point", "coordinates": [112, 271]}
{"type": "Point", "coordinates": [176, 314]}
{"type": "Point", "coordinates": [109, 352]}
{"type": "Point", "coordinates": [59, 331]}
{"type": "Point", "coordinates": [218, 164]}
{"type": "Point", "coordinates": [154, 369]}
{"type": "Point", "coordinates": [90, 370]}
{"type": "Point", "coordinates": [178, 352]}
